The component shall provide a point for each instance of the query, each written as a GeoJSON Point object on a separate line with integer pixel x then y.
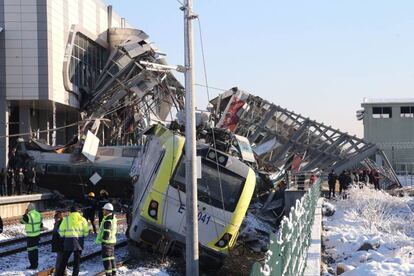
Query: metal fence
{"type": "Point", "coordinates": [287, 254]}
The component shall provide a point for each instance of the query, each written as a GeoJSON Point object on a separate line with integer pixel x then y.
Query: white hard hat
{"type": "Point", "coordinates": [31, 206]}
{"type": "Point", "coordinates": [108, 207]}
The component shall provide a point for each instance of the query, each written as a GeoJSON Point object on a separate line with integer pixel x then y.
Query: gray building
{"type": "Point", "coordinates": [50, 53]}
{"type": "Point", "coordinates": [390, 124]}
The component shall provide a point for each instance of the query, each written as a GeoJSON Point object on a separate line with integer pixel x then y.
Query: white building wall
{"type": "Point", "coordinates": [91, 17]}
{"type": "Point", "coordinates": [21, 49]}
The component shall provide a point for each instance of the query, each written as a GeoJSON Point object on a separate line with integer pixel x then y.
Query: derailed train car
{"type": "Point", "coordinates": [55, 171]}
{"type": "Point", "coordinates": [225, 190]}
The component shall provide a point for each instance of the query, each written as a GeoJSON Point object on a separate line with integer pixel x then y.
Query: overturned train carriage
{"type": "Point", "coordinates": [283, 140]}
{"type": "Point", "coordinates": [225, 189]}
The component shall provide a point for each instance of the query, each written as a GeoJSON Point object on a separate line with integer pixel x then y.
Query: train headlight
{"type": "Point", "coordinates": [224, 241]}
{"type": "Point", "coordinates": [153, 209]}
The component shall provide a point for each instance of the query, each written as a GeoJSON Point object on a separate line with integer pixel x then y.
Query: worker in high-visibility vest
{"type": "Point", "coordinates": [33, 222]}
{"type": "Point", "coordinates": [73, 229]}
{"type": "Point", "coordinates": [107, 237]}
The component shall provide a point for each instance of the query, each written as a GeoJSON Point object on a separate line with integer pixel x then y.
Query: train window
{"type": "Point", "coordinates": [81, 171]}
{"type": "Point", "coordinates": [108, 172]}
{"type": "Point", "coordinates": [52, 168]}
{"type": "Point", "coordinates": [130, 152]}
{"type": "Point", "coordinates": [105, 151]}
{"type": "Point", "coordinates": [209, 190]}
{"type": "Point", "coordinates": [65, 169]}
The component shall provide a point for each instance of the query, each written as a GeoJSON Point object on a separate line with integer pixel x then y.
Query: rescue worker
{"type": "Point", "coordinates": [90, 210]}
{"type": "Point", "coordinates": [73, 229]}
{"type": "Point", "coordinates": [33, 222]}
{"type": "Point", "coordinates": [104, 199]}
{"type": "Point", "coordinates": [57, 240]}
{"type": "Point", "coordinates": [107, 237]}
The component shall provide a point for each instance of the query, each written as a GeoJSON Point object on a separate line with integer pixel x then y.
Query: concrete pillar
{"type": "Point", "coordinates": [43, 119]}
{"type": "Point", "coordinates": [53, 123]}
{"type": "Point", "coordinates": [24, 119]}
{"type": "Point", "coordinates": [61, 119]}
{"type": "Point", "coordinates": [4, 131]}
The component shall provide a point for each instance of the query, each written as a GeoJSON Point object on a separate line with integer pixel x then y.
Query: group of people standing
{"type": "Point", "coordinates": [347, 178]}
{"type": "Point", "coordinates": [17, 181]}
{"type": "Point", "coordinates": [69, 233]}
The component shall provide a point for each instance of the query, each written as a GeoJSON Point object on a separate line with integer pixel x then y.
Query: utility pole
{"type": "Point", "coordinates": [191, 239]}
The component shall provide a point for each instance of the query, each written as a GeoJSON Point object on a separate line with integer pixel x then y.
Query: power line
{"type": "Point", "coordinates": [211, 87]}
{"type": "Point", "coordinates": [41, 131]}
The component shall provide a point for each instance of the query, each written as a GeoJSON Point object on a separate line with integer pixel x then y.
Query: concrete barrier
{"type": "Point", "coordinates": [13, 206]}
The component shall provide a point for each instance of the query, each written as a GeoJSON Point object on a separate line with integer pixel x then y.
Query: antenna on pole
{"type": "Point", "coordinates": [191, 240]}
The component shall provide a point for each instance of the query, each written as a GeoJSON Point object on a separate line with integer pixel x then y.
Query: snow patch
{"type": "Point", "coordinates": [376, 218]}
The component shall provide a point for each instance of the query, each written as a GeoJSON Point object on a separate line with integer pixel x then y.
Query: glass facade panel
{"type": "Point", "coordinates": [87, 61]}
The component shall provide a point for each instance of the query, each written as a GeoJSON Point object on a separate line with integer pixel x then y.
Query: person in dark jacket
{"type": "Point", "coordinates": [104, 199]}
{"type": "Point", "coordinates": [19, 180]}
{"type": "Point", "coordinates": [332, 177]}
{"type": "Point", "coordinates": [11, 182]}
{"type": "Point", "coordinates": [343, 182]}
{"type": "Point", "coordinates": [57, 241]}
{"type": "Point", "coordinates": [1, 225]}
{"type": "Point", "coordinates": [375, 179]}
{"type": "Point", "coordinates": [90, 210]}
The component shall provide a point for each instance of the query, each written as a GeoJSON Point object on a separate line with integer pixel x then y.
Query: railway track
{"type": "Point", "coordinates": [8, 243]}
{"type": "Point", "coordinates": [118, 265]}
{"type": "Point", "coordinates": [84, 258]}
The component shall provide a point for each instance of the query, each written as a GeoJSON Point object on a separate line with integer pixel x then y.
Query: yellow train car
{"type": "Point", "coordinates": [225, 190]}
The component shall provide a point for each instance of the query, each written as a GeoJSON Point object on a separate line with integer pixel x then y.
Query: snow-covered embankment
{"type": "Point", "coordinates": [370, 233]}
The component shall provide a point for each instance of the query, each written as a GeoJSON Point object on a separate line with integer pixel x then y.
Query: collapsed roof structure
{"type": "Point", "coordinates": [283, 140]}
{"type": "Point", "coordinates": [134, 87]}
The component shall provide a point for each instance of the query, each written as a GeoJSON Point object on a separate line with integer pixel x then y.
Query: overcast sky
{"type": "Point", "coordinates": [319, 58]}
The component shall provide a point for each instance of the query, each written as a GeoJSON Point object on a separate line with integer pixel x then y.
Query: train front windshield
{"type": "Point", "coordinates": [218, 186]}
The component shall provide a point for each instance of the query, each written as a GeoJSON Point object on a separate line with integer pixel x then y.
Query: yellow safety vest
{"type": "Point", "coordinates": [32, 227]}
{"type": "Point", "coordinates": [74, 226]}
{"type": "Point", "coordinates": [112, 231]}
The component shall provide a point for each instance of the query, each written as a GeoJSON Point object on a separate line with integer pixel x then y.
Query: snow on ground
{"type": "Point", "coordinates": [93, 266]}
{"type": "Point", "coordinates": [17, 230]}
{"type": "Point", "coordinates": [376, 219]}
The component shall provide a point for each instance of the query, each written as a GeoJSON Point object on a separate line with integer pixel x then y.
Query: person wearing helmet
{"type": "Point", "coordinates": [33, 222]}
{"type": "Point", "coordinates": [90, 210]}
{"type": "Point", "coordinates": [107, 238]}
{"type": "Point", "coordinates": [104, 199]}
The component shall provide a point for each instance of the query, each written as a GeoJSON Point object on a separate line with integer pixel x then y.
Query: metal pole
{"type": "Point", "coordinates": [191, 240]}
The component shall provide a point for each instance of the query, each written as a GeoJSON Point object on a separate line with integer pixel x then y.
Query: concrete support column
{"type": "Point", "coordinates": [4, 131]}
{"type": "Point", "coordinates": [61, 138]}
{"type": "Point", "coordinates": [24, 118]}
{"type": "Point", "coordinates": [43, 123]}
{"type": "Point", "coordinates": [53, 123]}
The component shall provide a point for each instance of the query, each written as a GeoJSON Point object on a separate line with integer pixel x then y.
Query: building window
{"type": "Point", "coordinates": [407, 112]}
{"type": "Point", "coordinates": [87, 61]}
{"type": "Point", "coordinates": [381, 112]}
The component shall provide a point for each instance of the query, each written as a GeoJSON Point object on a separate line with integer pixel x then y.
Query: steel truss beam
{"type": "Point", "coordinates": [321, 147]}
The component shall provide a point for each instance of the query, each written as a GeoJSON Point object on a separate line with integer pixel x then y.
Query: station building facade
{"type": "Point", "coordinates": [50, 53]}
{"type": "Point", "coordinates": [390, 124]}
